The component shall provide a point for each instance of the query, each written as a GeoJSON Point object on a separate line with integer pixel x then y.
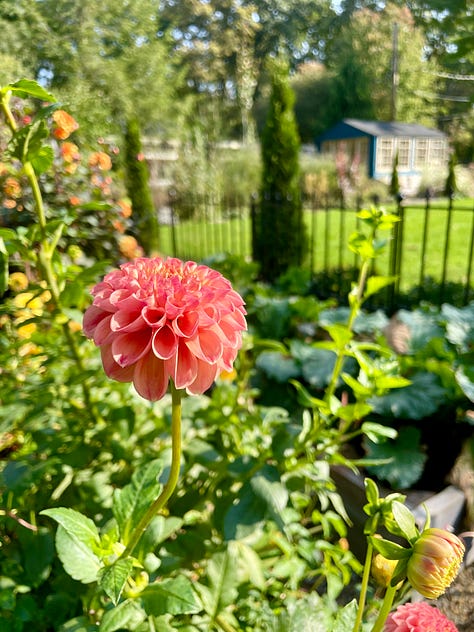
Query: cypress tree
{"type": "Point", "coordinates": [394, 182]}
{"type": "Point", "coordinates": [144, 214]}
{"type": "Point", "coordinates": [450, 186]}
{"type": "Point", "coordinates": [279, 234]}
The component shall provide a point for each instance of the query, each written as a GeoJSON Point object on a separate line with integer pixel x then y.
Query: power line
{"type": "Point", "coordinates": [450, 75]}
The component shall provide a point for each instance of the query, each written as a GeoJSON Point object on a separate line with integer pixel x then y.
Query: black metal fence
{"type": "Point", "coordinates": [430, 251]}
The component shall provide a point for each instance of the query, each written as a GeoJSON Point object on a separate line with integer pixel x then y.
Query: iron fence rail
{"type": "Point", "coordinates": [430, 252]}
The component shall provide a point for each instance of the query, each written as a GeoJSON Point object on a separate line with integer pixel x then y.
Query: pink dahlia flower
{"type": "Point", "coordinates": [156, 319]}
{"type": "Point", "coordinates": [418, 617]}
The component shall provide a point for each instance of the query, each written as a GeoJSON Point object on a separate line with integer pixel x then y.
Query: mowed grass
{"type": "Point", "coordinates": [425, 239]}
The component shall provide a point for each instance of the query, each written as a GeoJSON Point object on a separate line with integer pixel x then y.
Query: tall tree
{"type": "Point", "coordinates": [279, 234]}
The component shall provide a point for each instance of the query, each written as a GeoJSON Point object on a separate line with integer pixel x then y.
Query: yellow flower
{"type": "Point", "coordinates": [18, 281]}
{"type": "Point", "coordinates": [435, 561]}
{"type": "Point", "coordinates": [26, 331]}
{"type": "Point", "coordinates": [382, 569]}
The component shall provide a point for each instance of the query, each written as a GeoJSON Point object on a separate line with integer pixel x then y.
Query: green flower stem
{"type": "Point", "coordinates": [224, 625]}
{"type": "Point", "coordinates": [385, 609]}
{"type": "Point", "coordinates": [364, 587]}
{"type": "Point", "coordinates": [173, 478]}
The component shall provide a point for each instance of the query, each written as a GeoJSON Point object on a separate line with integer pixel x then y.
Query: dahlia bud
{"type": "Point", "coordinates": [382, 569]}
{"type": "Point", "coordinates": [435, 561]}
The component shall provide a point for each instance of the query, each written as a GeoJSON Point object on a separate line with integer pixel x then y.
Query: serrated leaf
{"type": "Point", "coordinates": [346, 617]}
{"type": "Point", "coordinates": [126, 616]}
{"type": "Point", "coordinates": [407, 458]}
{"type": "Point", "coordinates": [340, 334]}
{"type": "Point", "coordinates": [131, 502]}
{"type": "Point", "coordinates": [113, 578]}
{"type": "Point", "coordinates": [170, 596]}
{"type": "Point", "coordinates": [28, 87]}
{"type": "Point", "coordinates": [76, 524]}
{"type": "Point", "coordinates": [79, 561]}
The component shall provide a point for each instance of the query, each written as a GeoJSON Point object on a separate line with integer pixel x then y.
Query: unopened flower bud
{"type": "Point", "coordinates": [382, 569]}
{"type": "Point", "coordinates": [435, 562]}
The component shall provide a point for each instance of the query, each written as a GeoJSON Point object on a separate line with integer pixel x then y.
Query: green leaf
{"type": "Point", "coordinates": [170, 596]}
{"type": "Point", "coordinates": [405, 520]}
{"type": "Point", "coordinates": [419, 399]}
{"type": "Point", "coordinates": [353, 412]}
{"type": "Point", "coordinates": [42, 159]}
{"type": "Point", "coordinates": [126, 616]}
{"type": "Point", "coordinates": [223, 582]}
{"type": "Point", "coordinates": [78, 624]}
{"type": "Point", "coordinates": [277, 366]}
{"type": "Point", "coordinates": [464, 379]}
{"type": "Point", "coordinates": [307, 614]}
{"type": "Point", "coordinates": [28, 87]}
{"type": "Point", "coordinates": [346, 617]}
{"type": "Point", "coordinates": [407, 458]}
{"type": "Point", "coordinates": [340, 334]}
{"type": "Point", "coordinates": [132, 502]}
{"type": "Point", "coordinates": [76, 539]}
{"type": "Point", "coordinates": [390, 550]}
{"type": "Point", "coordinates": [375, 431]}
{"type": "Point", "coordinates": [376, 283]}
{"type": "Point", "coordinates": [371, 492]}
{"type": "Point", "coordinates": [113, 578]}
{"type": "Point", "coordinates": [250, 564]}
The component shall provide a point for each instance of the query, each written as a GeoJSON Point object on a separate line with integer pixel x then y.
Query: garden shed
{"type": "Point", "coordinates": [374, 144]}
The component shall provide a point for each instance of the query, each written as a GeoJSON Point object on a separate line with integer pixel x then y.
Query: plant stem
{"type": "Point", "coordinates": [173, 478]}
{"type": "Point", "coordinates": [355, 304]}
{"type": "Point", "coordinates": [364, 587]}
{"type": "Point", "coordinates": [385, 609]}
{"type": "Point", "coordinates": [224, 625]}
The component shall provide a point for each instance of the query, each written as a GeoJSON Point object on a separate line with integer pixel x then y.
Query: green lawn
{"type": "Point", "coordinates": [329, 232]}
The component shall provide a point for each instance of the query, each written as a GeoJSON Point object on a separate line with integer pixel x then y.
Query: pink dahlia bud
{"type": "Point", "coordinates": [434, 562]}
{"type": "Point", "coordinates": [156, 319]}
{"type": "Point", "coordinates": [415, 617]}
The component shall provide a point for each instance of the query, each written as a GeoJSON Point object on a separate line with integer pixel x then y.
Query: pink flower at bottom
{"type": "Point", "coordinates": [418, 617]}
{"type": "Point", "coordinates": [160, 319]}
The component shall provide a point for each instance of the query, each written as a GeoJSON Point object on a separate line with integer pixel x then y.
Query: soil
{"type": "Point", "coordinates": [458, 601]}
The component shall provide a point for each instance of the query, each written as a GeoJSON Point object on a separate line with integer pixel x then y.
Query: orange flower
{"type": "Point", "coordinates": [74, 200]}
{"type": "Point", "coordinates": [12, 188]}
{"type": "Point", "coordinates": [65, 125]}
{"type": "Point", "coordinates": [125, 208]}
{"type": "Point", "coordinates": [118, 225]}
{"type": "Point", "coordinates": [70, 152]}
{"type": "Point", "coordinates": [9, 203]}
{"type": "Point", "coordinates": [129, 247]}
{"type": "Point", "coordinates": [101, 160]}
{"type": "Point", "coordinates": [435, 561]}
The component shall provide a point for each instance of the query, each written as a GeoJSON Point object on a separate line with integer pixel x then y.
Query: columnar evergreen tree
{"type": "Point", "coordinates": [279, 235]}
{"type": "Point", "coordinates": [394, 181]}
{"type": "Point", "coordinates": [137, 183]}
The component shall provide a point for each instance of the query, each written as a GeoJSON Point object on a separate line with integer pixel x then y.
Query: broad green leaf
{"type": "Point", "coordinates": [277, 366]}
{"type": "Point", "coordinates": [78, 558]}
{"type": "Point", "coordinates": [223, 582]}
{"type": "Point", "coordinates": [340, 334]}
{"type": "Point", "coordinates": [318, 367]}
{"type": "Point", "coordinates": [419, 399]}
{"type": "Point", "coordinates": [459, 325]}
{"type": "Point", "coordinates": [126, 616]}
{"type": "Point", "coordinates": [28, 87]}
{"type": "Point", "coordinates": [250, 564]}
{"type": "Point", "coordinates": [132, 502]}
{"type": "Point", "coordinates": [77, 538]}
{"type": "Point", "coordinates": [170, 596]}
{"type": "Point", "coordinates": [307, 614]}
{"type": "Point", "coordinates": [390, 550]}
{"type": "Point", "coordinates": [113, 578]}
{"type": "Point", "coordinates": [159, 530]}
{"type": "Point", "coordinates": [376, 283]}
{"type": "Point", "coordinates": [267, 487]}
{"type": "Point", "coordinates": [354, 412]}
{"type": "Point", "coordinates": [346, 617]}
{"type": "Point", "coordinates": [464, 377]}
{"type": "Point", "coordinates": [42, 159]}
{"type": "Point", "coordinates": [405, 520]}
{"type": "Point", "coordinates": [407, 458]}
{"type": "Point", "coordinates": [75, 524]}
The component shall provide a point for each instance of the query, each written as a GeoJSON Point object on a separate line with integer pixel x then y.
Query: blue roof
{"type": "Point", "coordinates": [352, 128]}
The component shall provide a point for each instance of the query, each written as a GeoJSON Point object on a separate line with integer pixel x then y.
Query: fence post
{"type": "Point", "coordinates": [424, 243]}
{"type": "Point", "coordinates": [171, 198]}
{"type": "Point", "coordinates": [446, 247]}
{"type": "Point", "coordinates": [396, 256]}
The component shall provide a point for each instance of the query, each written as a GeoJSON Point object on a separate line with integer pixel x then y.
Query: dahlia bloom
{"type": "Point", "coordinates": [434, 563]}
{"type": "Point", "coordinates": [418, 617]}
{"type": "Point", "coordinates": [160, 319]}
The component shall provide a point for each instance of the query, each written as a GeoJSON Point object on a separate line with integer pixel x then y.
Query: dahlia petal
{"type": "Point", "coordinates": [206, 346]}
{"type": "Point", "coordinates": [112, 369]}
{"type": "Point", "coordinates": [164, 343]}
{"type": "Point", "coordinates": [124, 320]}
{"type": "Point", "coordinates": [150, 378]}
{"type": "Point", "coordinates": [182, 367]}
{"type": "Point", "coordinates": [91, 319]}
{"type": "Point", "coordinates": [186, 324]}
{"type": "Point", "coordinates": [102, 333]}
{"type": "Point", "coordinates": [206, 374]}
{"type": "Point", "coordinates": [154, 316]}
{"type": "Point", "coordinates": [128, 348]}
